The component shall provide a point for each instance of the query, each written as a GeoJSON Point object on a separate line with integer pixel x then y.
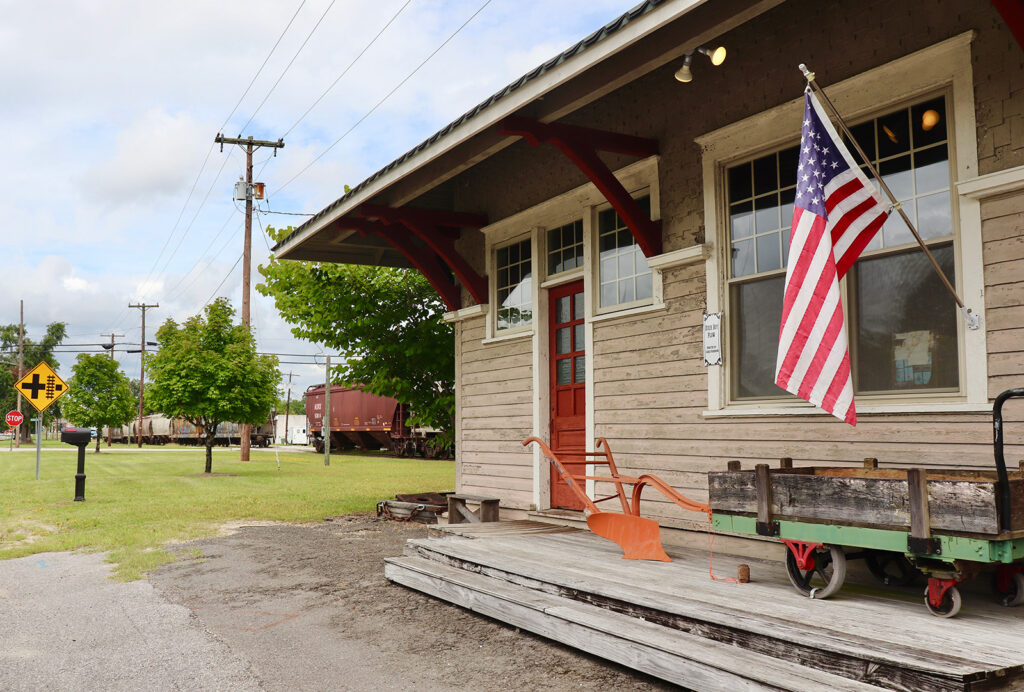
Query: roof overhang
{"type": "Point", "coordinates": [635, 44]}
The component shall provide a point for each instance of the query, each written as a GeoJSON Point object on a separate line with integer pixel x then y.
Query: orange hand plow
{"type": "Point", "coordinates": [639, 537]}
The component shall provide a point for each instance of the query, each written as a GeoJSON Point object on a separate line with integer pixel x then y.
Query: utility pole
{"type": "Point", "coordinates": [250, 145]}
{"type": "Point", "coordinates": [21, 359]}
{"type": "Point", "coordinates": [326, 423]}
{"type": "Point", "coordinates": [142, 357]}
{"type": "Point", "coordinates": [111, 349]}
{"type": "Point", "coordinates": [287, 405]}
{"type": "Point", "coordinates": [110, 432]}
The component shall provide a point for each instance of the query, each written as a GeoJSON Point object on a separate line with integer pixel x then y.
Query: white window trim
{"type": "Point", "coordinates": [492, 333]}
{"type": "Point", "coordinates": [943, 66]}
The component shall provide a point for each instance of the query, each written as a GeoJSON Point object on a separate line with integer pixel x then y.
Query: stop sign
{"type": "Point", "coordinates": [14, 418]}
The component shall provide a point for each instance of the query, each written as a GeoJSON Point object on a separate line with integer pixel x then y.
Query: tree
{"type": "Point", "coordinates": [147, 408]}
{"type": "Point", "coordinates": [34, 353]}
{"type": "Point", "coordinates": [99, 394]}
{"type": "Point", "coordinates": [207, 371]}
{"type": "Point", "coordinates": [297, 407]}
{"type": "Point", "coordinates": [386, 323]}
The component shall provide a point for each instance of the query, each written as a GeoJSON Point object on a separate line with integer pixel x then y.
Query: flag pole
{"type": "Point", "coordinates": [969, 316]}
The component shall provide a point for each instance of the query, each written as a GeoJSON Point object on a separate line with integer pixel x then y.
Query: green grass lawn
{"type": "Point", "coordinates": [137, 502]}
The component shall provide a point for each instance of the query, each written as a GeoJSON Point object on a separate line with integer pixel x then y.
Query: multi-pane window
{"type": "Point", "coordinates": [901, 322]}
{"type": "Point", "coordinates": [514, 286]}
{"type": "Point", "coordinates": [624, 275]}
{"type": "Point", "coordinates": [565, 247]}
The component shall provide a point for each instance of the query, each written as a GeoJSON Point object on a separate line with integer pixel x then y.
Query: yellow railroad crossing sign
{"type": "Point", "coordinates": [41, 386]}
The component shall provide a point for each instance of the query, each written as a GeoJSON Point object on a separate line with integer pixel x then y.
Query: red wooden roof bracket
{"type": "Point", "coordinates": [425, 262]}
{"type": "Point", "coordinates": [1012, 12]}
{"type": "Point", "coordinates": [434, 227]}
{"type": "Point", "coordinates": [581, 145]}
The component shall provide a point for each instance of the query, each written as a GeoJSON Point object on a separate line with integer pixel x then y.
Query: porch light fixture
{"type": "Point", "coordinates": [715, 55]}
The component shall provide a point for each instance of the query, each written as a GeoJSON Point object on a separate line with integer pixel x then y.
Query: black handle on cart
{"type": "Point", "coordinates": [997, 443]}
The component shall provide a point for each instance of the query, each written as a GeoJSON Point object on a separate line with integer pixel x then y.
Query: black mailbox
{"type": "Point", "coordinates": [80, 437]}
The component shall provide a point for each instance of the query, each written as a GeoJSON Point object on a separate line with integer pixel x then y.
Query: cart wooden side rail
{"type": "Point", "coordinates": [639, 537]}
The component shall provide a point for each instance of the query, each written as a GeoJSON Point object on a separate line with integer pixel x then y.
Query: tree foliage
{"type": "Point", "coordinates": [99, 394]}
{"type": "Point", "coordinates": [34, 353]}
{"type": "Point", "coordinates": [207, 371]}
{"type": "Point", "coordinates": [386, 323]}
{"type": "Point", "coordinates": [297, 406]}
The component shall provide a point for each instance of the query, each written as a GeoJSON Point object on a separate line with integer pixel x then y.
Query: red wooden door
{"type": "Point", "coordinates": [568, 386]}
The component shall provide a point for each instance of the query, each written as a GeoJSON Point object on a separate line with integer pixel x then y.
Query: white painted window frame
{"type": "Point", "coordinates": [945, 66]}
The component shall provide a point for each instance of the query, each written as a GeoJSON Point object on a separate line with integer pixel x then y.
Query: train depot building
{"type": "Point", "coordinates": [583, 222]}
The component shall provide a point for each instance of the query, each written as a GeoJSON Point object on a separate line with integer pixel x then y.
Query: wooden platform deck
{"type": "Point", "coordinates": [671, 620]}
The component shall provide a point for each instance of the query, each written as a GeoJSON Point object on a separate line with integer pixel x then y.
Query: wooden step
{"type": "Point", "coordinates": [744, 615]}
{"type": "Point", "coordinates": [679, 657]}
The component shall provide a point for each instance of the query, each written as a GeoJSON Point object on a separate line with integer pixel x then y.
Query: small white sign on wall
{"type": "Point", "coordinates": [713, 338]}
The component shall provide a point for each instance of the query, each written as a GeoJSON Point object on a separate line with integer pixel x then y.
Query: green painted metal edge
{"type": "Point", "coordinates": [953, 547]}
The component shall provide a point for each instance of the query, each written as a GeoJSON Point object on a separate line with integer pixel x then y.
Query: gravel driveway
{"type": "Point", "coordinates": [277, 607]}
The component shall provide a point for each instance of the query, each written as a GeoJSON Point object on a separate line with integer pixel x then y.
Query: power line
{"type": "Point", "coordinates": [347, 68]}
{"type": "Point", "coordinates": [265, 60]}
{"type": "Point", "coordinates": [230, 272]}
{"type": "Point", "coordinates": [386, 97]}
{"type": "Point", "coordinates": [287, 67]}
{"type": "Point", "coordinates": [202, 168]}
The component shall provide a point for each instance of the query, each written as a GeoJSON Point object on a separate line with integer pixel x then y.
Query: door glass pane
{"type": "Point", "coordinates": [581, 368]}
{"type": "Point", "coordinates": [578, 306]}
{"type": "Point", "coordinates": [562, 344]}
{"type": "Point", "coordinates": [578, 344]}
{"type": "Point", "coordinates": [905, 324]}
{"type": "Point", "coordinates": [755, 340]}
{"type": "Point", "coordinates": [563, 375]}
{"type": "Point", "coordinates": [562, 310]}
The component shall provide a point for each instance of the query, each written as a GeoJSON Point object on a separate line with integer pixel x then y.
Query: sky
{"type": "Point", "coordinates": [115, 192]}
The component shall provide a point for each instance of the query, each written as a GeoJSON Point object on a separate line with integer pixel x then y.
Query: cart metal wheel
{"type": "Point", "coordinates": [892, 569]}
{"type": "Point", "coordinates": [950, 606]}
{"type": "Point", "coordinates": [1014, 595]}
{"type": "Point", "coordinates": [825, 578]}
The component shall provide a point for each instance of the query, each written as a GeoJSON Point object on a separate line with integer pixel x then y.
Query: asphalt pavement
{"type": "Point", "coordinates": [65, 625]}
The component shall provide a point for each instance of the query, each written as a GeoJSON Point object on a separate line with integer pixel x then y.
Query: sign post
{"type": "Point", "coordinates": [41, 386]}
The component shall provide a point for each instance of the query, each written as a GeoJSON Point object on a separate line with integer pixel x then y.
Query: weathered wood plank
{"type": "Point", "coordinates": [907, 653]}
{"type": "Point", "coordinates": [1001, 227]}
{"type": "Point", "coordinates": [684, 659]}
{"type": "Point", "coordinates": [956, 505]}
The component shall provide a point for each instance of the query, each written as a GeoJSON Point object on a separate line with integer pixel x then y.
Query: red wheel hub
{"type": "Point", "coordinates": [803, 553]}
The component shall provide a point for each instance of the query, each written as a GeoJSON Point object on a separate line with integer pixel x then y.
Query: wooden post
{"type": "Point", "coordinates": [920, 540]}
{"type": "Point", "coordinates": [735, 465]}
{"type": "Point", "coordinates": [763, 487]}
{"type": "Point", "coordinates": [786, 463]}
{"type": "Point", "coordinates": [871, 463]}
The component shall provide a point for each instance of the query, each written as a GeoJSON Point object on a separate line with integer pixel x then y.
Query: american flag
{"type": "Point", "coordinates": [836, 214]}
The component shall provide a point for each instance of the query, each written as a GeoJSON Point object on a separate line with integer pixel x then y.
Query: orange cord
{"type": "Point", "coordinates": [711, 556]}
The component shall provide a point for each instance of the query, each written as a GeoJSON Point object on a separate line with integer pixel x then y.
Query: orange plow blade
{"type": "Point", "coordinates": [639, 537]}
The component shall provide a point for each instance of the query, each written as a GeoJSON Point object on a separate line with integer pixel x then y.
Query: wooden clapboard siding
{"type": "Point", "coordinates": [1002, 231]}
{"type": "Point", "coordinates": [495, 413]}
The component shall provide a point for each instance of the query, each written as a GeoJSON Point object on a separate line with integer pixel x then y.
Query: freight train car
{"type": "Point", "coordinates": [360, 420]}
{"type": "Point", "coordinates": [159, 430]}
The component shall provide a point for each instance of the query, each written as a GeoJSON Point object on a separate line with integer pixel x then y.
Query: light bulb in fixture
{"type": "Point", "coordinates": [716, 56]}
{"type": "Point", "coordinates": [683, 74]}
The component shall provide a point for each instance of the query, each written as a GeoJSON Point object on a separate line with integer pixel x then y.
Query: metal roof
{"type": "Point", "coordinates": [594, 38]}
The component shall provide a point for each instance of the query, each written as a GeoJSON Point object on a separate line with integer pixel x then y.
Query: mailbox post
{"type": "Point", "coordinates": [80, 437]}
